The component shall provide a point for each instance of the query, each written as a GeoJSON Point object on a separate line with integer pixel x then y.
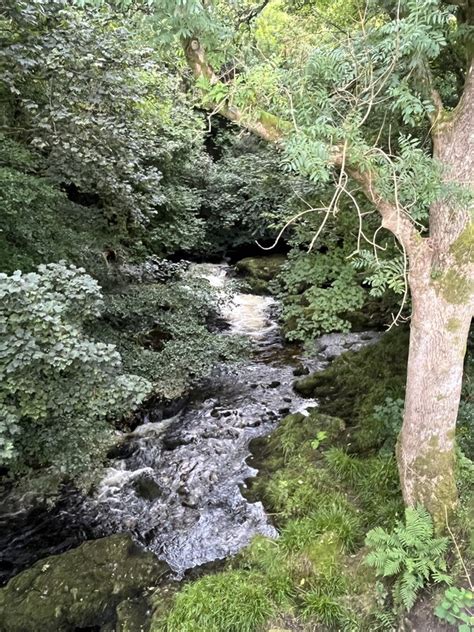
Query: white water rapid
{"type": "Point", "coordinates": [179, 489]}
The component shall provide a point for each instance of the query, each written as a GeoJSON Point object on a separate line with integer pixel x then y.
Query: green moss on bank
{"type": "Point", "coordinates": [356, 382]}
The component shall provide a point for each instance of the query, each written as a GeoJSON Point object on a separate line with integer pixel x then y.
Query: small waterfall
{"type": "Point", "coordinates": [247, 314]}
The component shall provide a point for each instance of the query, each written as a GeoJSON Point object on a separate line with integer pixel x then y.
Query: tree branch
{"type": "Point", "coordinates": [453, 143]}
{"type": "Point", "coordinates": [393, 218]}
{"type": "Point", "coordinates": [267, 126]}
{"type": "Point", "coordinates": [252, 13]}
{"type": "Point", "coordinates": [272, 129]}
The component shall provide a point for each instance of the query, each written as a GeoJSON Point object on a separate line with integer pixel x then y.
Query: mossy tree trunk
{"type": "Point", "coordinates": [439, 330]}
{"type": "Point", "coordinates": [441, 277]}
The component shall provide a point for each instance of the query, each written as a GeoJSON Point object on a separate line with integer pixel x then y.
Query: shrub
{"type": "Point", "coordinates": [58, 387]}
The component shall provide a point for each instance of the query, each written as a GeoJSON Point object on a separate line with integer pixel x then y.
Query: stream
{"type": "Point", "coordinates": [179, 490]}
{"type": "Point", "coordinates": [177, 485]}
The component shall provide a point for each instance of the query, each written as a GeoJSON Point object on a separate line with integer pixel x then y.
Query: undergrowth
{"type": "Point", "coordinates": [234, 601]}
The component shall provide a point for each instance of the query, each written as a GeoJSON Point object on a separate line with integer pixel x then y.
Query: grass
{"type": "Point", "coordinates": [232, 601]}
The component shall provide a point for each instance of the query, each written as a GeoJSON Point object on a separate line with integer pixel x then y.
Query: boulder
{"type": "Point", "coordinates": [260, 270]}
{"type": "Point", "coordinates": [81, 588]}
{"type": "Point", "coordinates": [265, 268]}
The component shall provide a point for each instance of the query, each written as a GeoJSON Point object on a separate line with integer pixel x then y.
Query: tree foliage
{"type": "Point", "coordinates": [58, 386]}
{"type": "Point", "coordinates": [108, 117]}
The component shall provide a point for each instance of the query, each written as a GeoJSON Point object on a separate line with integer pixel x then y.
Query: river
{"type": "Point", "coordinates": [177, 486]}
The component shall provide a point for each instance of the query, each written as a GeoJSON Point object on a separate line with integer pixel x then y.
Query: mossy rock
{"type": "Point", "coordinates": [257, 286]}
{"type": "Point", "coordinates": [357, 381]}
{"type": "Point", "coordinates": [265, 268]}
{"type": "Point", "coordinates": [82, 587]}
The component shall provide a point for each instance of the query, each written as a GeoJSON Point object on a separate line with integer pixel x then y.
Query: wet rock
{"type": "Point", "coordinates": [175, 440]}
{"type": "Point", "coordinates": [330, 346]}
{"type": "Point", "coordinates": [283, 411]}
{"type": "Point", "coordinates": [133, 616]}
{"type": "Point", "coordinates": [288, 400]}
{"type": "Point", "coordinates": [259, 271]}
{"type": "Point", "coordinates": [80, 588]}
{"type": "Point", "coordinates": [147, 488]}
{"type": "Point", "coordinates": [264, 268]}
{"type": "Point", "coordinates": [300, 370]}
{"type": "Point", "coordinates": [274, 384]}
{"type": "Point", "coordinates": [307, 385]}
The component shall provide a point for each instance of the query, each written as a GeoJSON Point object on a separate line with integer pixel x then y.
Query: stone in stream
{"type": "Point", "coordinates": [260, 270]}
{"type": "Point", "coordinates": [147, 488]}
{"type": "Point", "coordinates": [274, 384]}
{"type": "Point", "coordinates": [300, 369]}
{"type": "Point", "coordinates": [84, 587]}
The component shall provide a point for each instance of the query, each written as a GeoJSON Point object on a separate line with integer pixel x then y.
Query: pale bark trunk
{"type": "Point", "coordinates": [442, 288]}
{"type": "Point", "coordinates": [425, 452]}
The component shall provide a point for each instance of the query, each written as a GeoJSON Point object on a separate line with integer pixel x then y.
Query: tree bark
{"type": "Point", "coordinates": [441, 279]}
{"type": "Point", "coordinates": [425, 451]}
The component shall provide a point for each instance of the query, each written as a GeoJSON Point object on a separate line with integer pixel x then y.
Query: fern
{"type": "Point", "coordinates": [383, 274]}
{"type": "Point", "coordinates": [410, 553]}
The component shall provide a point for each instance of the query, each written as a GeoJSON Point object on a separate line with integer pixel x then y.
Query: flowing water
{"type": "Point", "coordinates": [179, 490]}
{"type": "Point", "coordinates": [177, 487]}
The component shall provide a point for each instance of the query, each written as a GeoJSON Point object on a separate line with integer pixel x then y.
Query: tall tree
{"type": "Point", "coordinates": [366, 108]}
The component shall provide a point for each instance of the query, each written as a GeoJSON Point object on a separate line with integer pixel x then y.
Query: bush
{"type": "Point", "coordinates": [162, 332]}
{"type": "Point", "coordinates": [58, 387]}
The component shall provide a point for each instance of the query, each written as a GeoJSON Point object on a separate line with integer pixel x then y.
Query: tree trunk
{"type": "Point", "coordinates": [440, 324]}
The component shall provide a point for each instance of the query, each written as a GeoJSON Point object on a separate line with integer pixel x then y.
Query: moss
{"type": "Point", "coordinates": [463, 248]}
{"type": "Point", "coordinates": [455, 288]}
{"type": "Point", "coordinates": [264, 268]}
{"type": "Point", "coordinates": [356, 382]}
{"type": "Point", "coordinates": [435, 486]}
{"type": "Point", "coordinates": [323, 501]}
{"type": "Point", "coordinates": [259, 271]}
{"type": "Point", "coordinates": [133, 616]}
{"type": "Point", "coordinates": [453, 325]}
{"type": "Point", "coordinates": [79, 588]}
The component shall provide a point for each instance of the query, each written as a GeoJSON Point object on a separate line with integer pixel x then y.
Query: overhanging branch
{"type": "Point", "coordinates": [272, 129]}
{"type": "Point", "coordinates": [246, 18]}
{"type": "Point", "coordinates": [266, 126]}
